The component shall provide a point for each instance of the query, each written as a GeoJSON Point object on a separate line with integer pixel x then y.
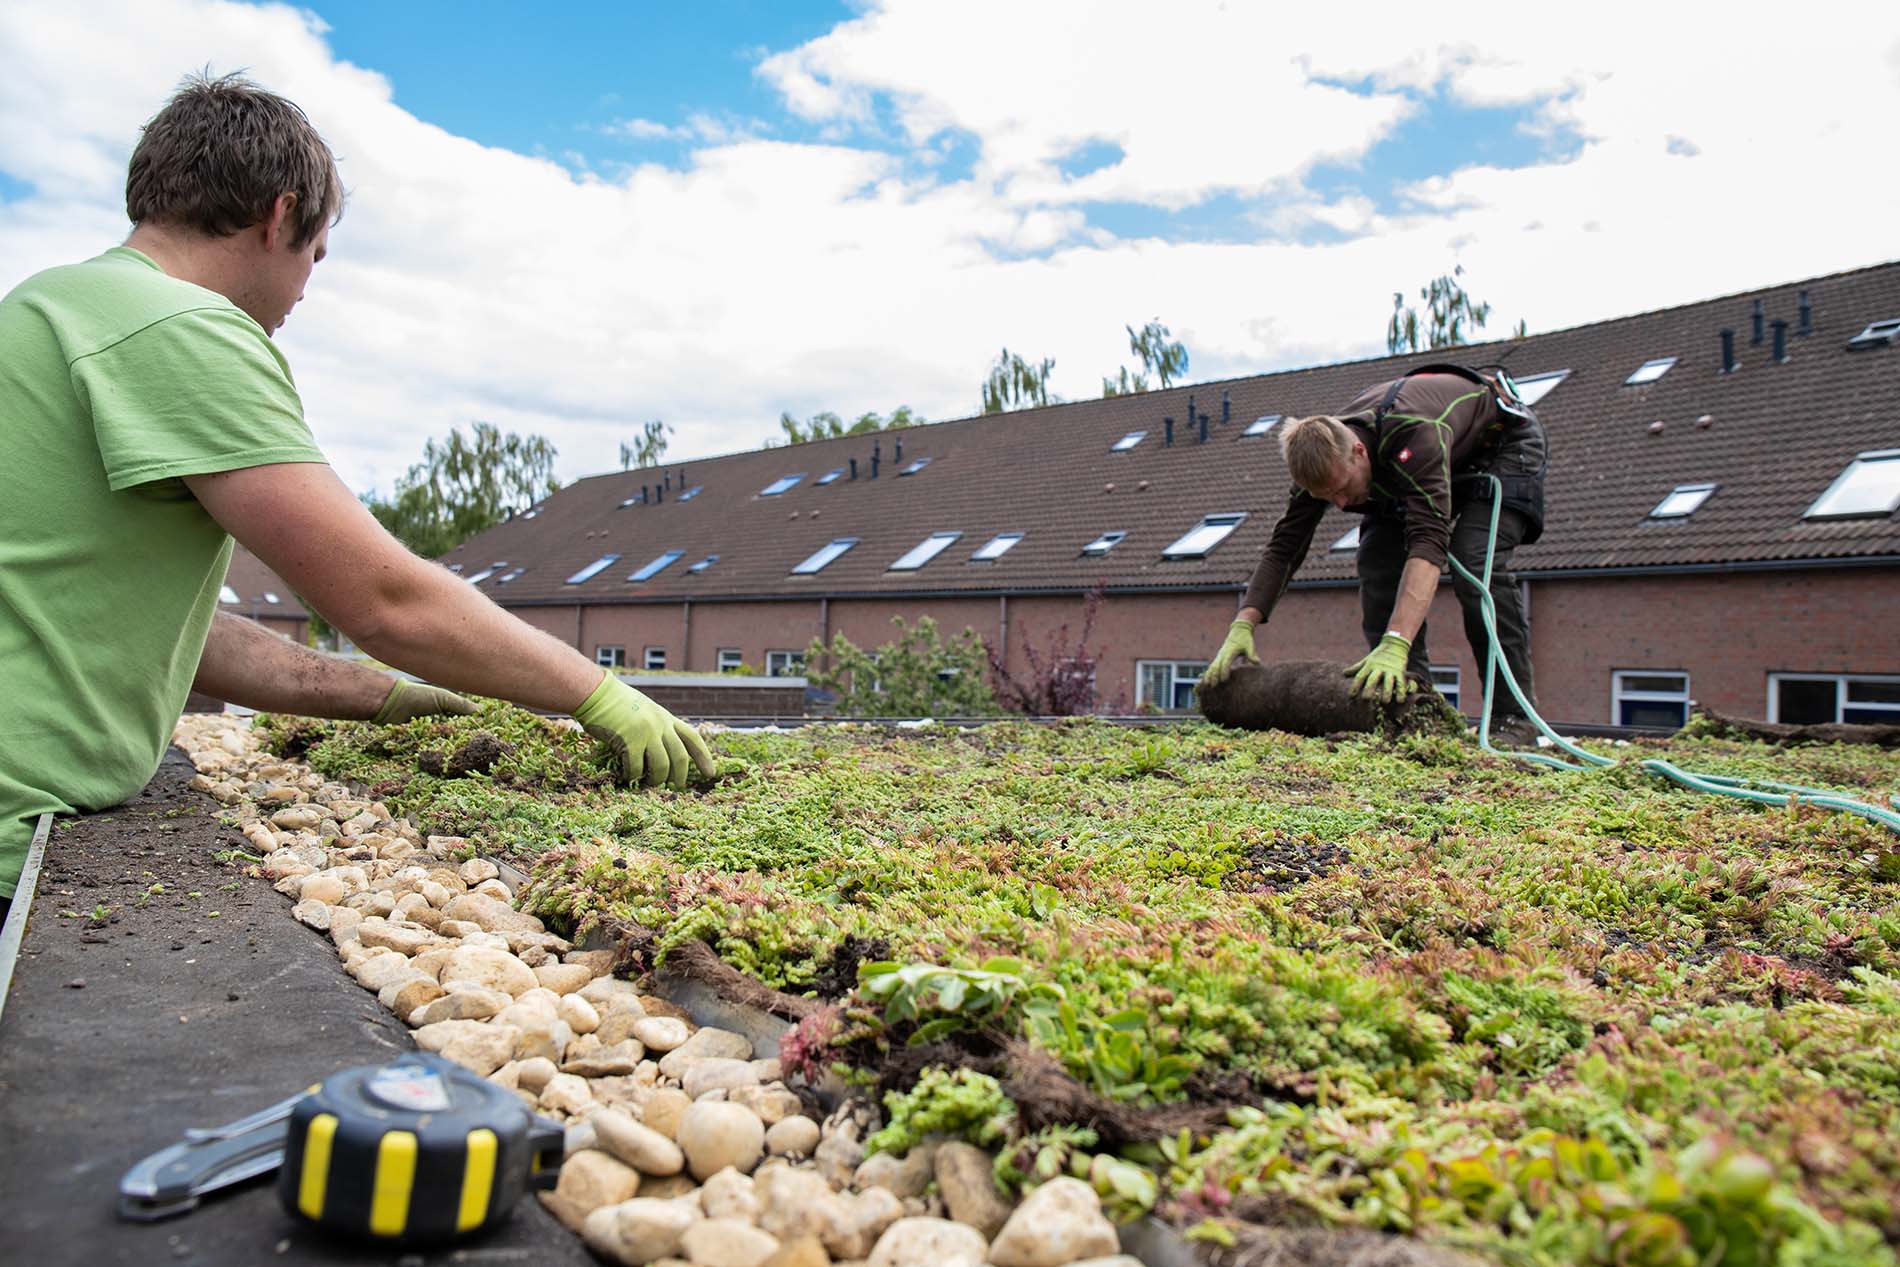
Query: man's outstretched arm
{"type": "Point", "coordinates": [246, 664]}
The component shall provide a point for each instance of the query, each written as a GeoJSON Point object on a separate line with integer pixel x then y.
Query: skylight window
{"type": "Point", "coordinates": [631, 501]}
{"type": "Point", "coordinates": [587, 573]}
{"type": "Point", "coordinates": [996, 547]}
{"type": "Point", "coordinates": [825, 554]}
{"type": "Point", "coordinates": [1534, 388]}
{"type": "Point", "coordinates": [1104, 543]}
{"type": "Point", "coordinates": [1210, 532]}
{"type": "Point", "coordinates": [228, 595]}
{"type": "Point", "coordinates": [1350, 541]}
{"type": "Point", "coordinates": [1127, 442]}
{"type": "Point", "coordinates": [915, 467]}
{"type": "Point", "coordinates": [271, 598]}
{"type": "Point", "coordinates": [1260, 426]}
{"type": "Point", "coordinates": [456, 568]}
{"type": "Point", "coordinates": [1878, 334]}
{"type": "Point", "coordinates": [1682, 502]}
{"type": "Point", "coordinates": [478, 577]}
{"type": "Point", "coordinates": [692, 492]}
{"type": "Point", "coordinates": [781, 485]}
{"type": "Point", "coordinates": [658, 566]}
{"type": "Point", "coordinates": [1649, 371]}
{"type": "Point", "coordinates": [703, 564]}
{"type": "Point", "coordinates": [834, 473]}
{"type": "Point", "coordinates": [1869, 486]}
{"type": "Point", "coordinates": [926, 550]}
{"type": "Point", "coordinates": [500, 580]}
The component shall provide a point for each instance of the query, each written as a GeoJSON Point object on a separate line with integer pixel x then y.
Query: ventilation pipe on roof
{"type": "Point", "coordinates": [1781, 340]}
{"type": "Point", "coordinates": [898, 455]}
{"type": "Point", "coordinates": [645, 496]}
{"type": "Point", "coordinates": [854, 468]}
{"type": "Point", "coordinates": [1226, 409]}
{"type": "Point", "coordinates": [659, 492]}
{"type": "Point", "coordinates": [876, 456]}
{"type": "Point", "coordinates": [1754, 322]}
{"type": "Point", "coordinates": [666, 481]}
{"type": "Point", "coordinates": [1729, 363]}
{"type": "Point", "coordinates": [1807, 317]}
{"type": "Point", "coordinates": [1203, 421]}
{"type": "Point", "coordinates": [1190, 413]}
{"type": "Point", "coordinates": [1167, 433]}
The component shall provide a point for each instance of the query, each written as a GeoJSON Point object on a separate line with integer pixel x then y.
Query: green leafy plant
{"type": "Point", "coordinates": [959, 1103]}
{"type": "Point", "coordinates": [944, 1000]}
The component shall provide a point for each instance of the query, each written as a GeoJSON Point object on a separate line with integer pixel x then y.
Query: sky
{"type": "Point", "coordinates": [569, 219]}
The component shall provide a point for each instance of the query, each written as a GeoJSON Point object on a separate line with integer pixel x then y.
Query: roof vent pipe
{"type": "Point", "coordinates": [1754, 322]}
{"type": "Point", "coordinates": [666, 481]}
{"type": "Point", "coordinates": [659, 492]}
{"type": "Point", "coordinates": [645, 496]}
{"type": "Point", "coordinates": [877, 456]}
{"type": "Point", "coordinates": [1190, 413]}
{"type": "Point", "coordinates": [854, 468]}
{"type": "Point", "coordinates": [1203, 428]}
{"type": "Point", "coordinates": [1781, 340]}
{"type": "Point", "coordinates": [1807, 316]}
{"type": "Point", "coordinates": [899, 455]}
{"type": "Point", "coordinates": [1226, 409]}
{"type": "Point", "coordinates": [1729, 364]}
{"type": "Point", "coordinates": [1167, 433]}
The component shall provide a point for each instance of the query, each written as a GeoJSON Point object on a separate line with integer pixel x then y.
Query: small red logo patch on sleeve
{"type": "Point", "coordinates": [1405, 455]}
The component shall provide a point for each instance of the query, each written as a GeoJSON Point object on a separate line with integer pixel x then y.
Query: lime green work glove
{"type": "Point", "coordinates": [1381, 675]}
{"type": "Point", "coordinates": [408, 700]}
{"type": "Point", "coordinates": [651, 745]}
{"type": "Point", "coordinates": [1239, 643]}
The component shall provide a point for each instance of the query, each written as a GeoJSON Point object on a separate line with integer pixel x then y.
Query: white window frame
{"type": "Point", "coordinates": [729, 658]}
{"type": "Point", "coordinates": [1649, 371]}
{"type": "Point", "coordinates": [478, 577]}
{"type": "Point", "coordinates": [834, 474]}
{"type": "Point", "coordinates": [692, 492]}
{"type": "Point", "coordinates": [926, 550]}
{"type": "Point", "coordinates": [1843, 685]}
{"type": "Point", "coordinates": [228, 595]}
{"type": "Point", "coordinates": [587, 573]}
{"type": "Point", "coordinates": [783, 484]}
{"type": "Point", "coordinates": [996, 547]}
{"type": "Point", "coordinates": [1261, 425]}
{"type": "Point", "coordinates": [1350, 541]}
{"type": "Point", "coordinates": [1619, 694]}
{"type": "Point", "coordinates": [1686, 498]}
{"type": "Point", "coordinates": [824, 556]}
{"type": "Point", "coordinates": [914, 467]}
{"type": "Point", "coordinates": [1877, 334]}
{"type": "Point", "coordinates": [1180, 673]}
{"type": "Point", "coordinates": [703, 564]}
{"type": "Point", "coordinates": [653, 658]}
{"type": "Point", "coordinates": [1103, 544]}
{"type": "Point", "coordinates": [1448, 681]}
{"type": "Point", "coordinates": [1534, 387]}
{"type": "Point", "coordinates": [1128, 442]}
{"type": "Point", "coordinates": [785, 664]}
{"type": "Point", "coordinates": [657, 565]}
{"type": "Point", "coordinates": [610, 655]}
{"type": "Point", "coordinates": [1869, 459]}
{"type": "Point", "coordinates": [1219, 526]}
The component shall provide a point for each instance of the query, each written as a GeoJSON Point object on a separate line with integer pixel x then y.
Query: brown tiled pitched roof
{"type": "Point", "coordinates": [251, 581]}
{"type": "Point", "coordinates": [1778, 435]}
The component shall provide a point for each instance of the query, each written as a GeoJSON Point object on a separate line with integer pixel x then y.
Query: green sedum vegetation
{"type": "Point", "coordinates": [1553, 1018]}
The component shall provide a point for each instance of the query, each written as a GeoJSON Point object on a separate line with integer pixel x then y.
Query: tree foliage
{"type": "Point", "coordinates": [1161, 355]}
{"type": "Point", "coordinates": [1058, 679]}
{"type": "Point", "coordinates": [464, 486]}
{"type": "Point", "coordinates": [1014, 383]}
{"type": "Point", "coordinates": [1450, 316]}
{"type": "Point", "coordinates": [916, 674]}
{"type": "Point", "coordinates": [829, 426]}
{"type": "Point", "coordinates": [649, 448]}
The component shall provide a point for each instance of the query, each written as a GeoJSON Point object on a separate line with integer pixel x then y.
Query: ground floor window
{"type": "Point", "coordinates": [784, 663]}
{"type": "Point", "coordinates": [611, 657]}
{"type": "Point", "coordinates": [655, 658]}
{"type": "Point", "coordinates": [1446, 678]}
{"type": "Point", "coordinates": [1649, 697]}
{"type": "Point", "coordinates": [729, 658]}
{"type": "Point", "coordinates": [1167, 684]}
{"type": "Point", "coordinates": [1810, 699]}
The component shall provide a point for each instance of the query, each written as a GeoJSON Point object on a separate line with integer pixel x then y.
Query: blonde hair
{"type": "Point", "coordinates": [1315, 448]}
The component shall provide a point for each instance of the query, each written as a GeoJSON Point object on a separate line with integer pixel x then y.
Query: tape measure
{"type": "Point", "coordinates": [416, 1151]}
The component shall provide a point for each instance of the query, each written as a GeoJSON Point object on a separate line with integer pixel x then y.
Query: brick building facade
{"type": "Point", "coordinates": [1760, 414]}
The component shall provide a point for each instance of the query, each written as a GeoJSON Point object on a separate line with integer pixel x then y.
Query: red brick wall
{"type": "Point", "coordinates": [740, 699]}
{"type": "Point", "coordinates": [1727, 631]}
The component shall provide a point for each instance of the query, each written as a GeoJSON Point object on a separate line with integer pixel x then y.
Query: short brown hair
{"type": "Point", "coordinates": [220, 153]}
{"type": "Point", "coordinates": [1315, 448]}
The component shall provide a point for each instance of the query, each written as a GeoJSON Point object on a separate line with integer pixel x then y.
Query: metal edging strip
{"type": "Point", "coordinates": [15, 931]}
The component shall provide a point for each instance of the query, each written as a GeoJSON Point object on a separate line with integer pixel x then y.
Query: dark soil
{"type": "Point", "coordinates": [1721, 726]}
{"type": "Point", "coordinates": [1284, 863]}
{"type": "Point", "coordinates": [478, 755]}
{"type": "Point", "coordinates": [838, 975]}
{"type": "Point", "coordinates": [1314, 698]}
{"type": "Point", "coordinates": [138, 1011]}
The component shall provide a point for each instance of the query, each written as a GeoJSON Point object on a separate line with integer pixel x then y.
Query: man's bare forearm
{"type": "Point", "coordinates": [1417, 584]}
{"type": "Point", "coordinates": [244, 663]}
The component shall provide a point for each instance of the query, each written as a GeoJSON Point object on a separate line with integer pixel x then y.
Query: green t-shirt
{"type": "Point", "coordinates": [115, 381]}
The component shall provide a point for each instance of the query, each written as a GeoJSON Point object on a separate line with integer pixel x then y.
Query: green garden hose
{"type": "Point", "coordinates": [1496, 667]}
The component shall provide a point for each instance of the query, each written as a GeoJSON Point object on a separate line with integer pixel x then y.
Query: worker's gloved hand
{"type": "Point", "coordinates": [1239, 643]}
{"type": "Point", "coordinates": [651, 745]}
{"type": "Point", "coordinates": [408, 700]}
{"type": "Point", "coordinates": [1381, 675]}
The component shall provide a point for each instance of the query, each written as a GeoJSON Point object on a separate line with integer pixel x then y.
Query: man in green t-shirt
{"type": "Point", "coordinates": [149, 419]}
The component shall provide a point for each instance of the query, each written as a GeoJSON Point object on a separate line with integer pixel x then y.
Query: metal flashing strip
{"type": "Point", "coordinates": [15, 932]}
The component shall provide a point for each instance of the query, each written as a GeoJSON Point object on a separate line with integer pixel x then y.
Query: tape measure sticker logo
{"type": "Point", "coordinates": [414, 1087]}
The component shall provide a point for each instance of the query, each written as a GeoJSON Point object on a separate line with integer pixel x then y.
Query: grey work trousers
{"type": "Point", "coordinates": [1382, 556]}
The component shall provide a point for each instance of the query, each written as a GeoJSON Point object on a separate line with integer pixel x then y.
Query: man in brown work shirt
{"type": "Point", "coordinates": [1412, 456]}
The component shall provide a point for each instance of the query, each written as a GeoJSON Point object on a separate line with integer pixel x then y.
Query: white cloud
{"type": "Point", "coordinates": [866, 270]}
